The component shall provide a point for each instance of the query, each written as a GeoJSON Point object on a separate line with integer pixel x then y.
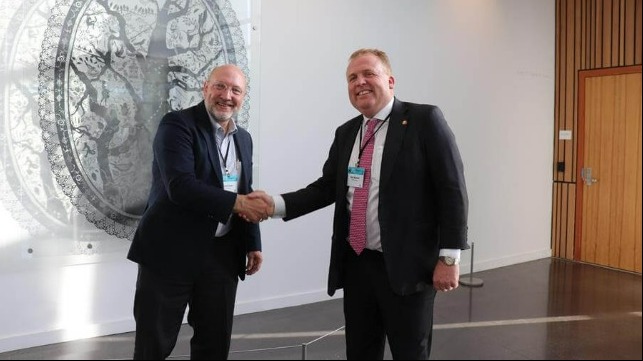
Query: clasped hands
{"type": "Point", "coordinates": [254, 207]}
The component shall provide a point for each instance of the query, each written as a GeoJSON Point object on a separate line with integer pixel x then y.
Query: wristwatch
{"type": "Point", "coordinates": [449, 261]}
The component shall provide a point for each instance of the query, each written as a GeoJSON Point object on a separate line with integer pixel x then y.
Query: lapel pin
{"type": "Point", "coordinates": [405, 122]}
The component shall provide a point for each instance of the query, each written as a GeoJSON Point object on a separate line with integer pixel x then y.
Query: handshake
{"type": "Point", "coordinates": [254, 207]}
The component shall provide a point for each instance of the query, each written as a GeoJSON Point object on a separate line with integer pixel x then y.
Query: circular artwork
{"type": "Point", "coordinates": [27, 186]}
{"type": "Point", "coordinates": [109, 71]}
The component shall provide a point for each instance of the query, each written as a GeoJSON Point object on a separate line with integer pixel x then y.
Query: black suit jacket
{"type": "Point", "coordinates": [187, 200]}
{"type": "Point", "coordinates": [423, 201]}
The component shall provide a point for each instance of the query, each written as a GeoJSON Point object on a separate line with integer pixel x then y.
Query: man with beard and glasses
{"type": "Point", "coordinates": [191, 246]}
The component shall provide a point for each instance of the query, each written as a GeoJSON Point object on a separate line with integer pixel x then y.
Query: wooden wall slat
{"type": "Point", "coordinates": [563, 219]}
{"type": "Point", "coordinates": [570, 156]}
{"type": "Point", "coordinates": [556, 90]}
{"type": "Point", "coordinates": [564, 207]}
{"type": "Point", "coordinates": [637, 248]}
{"type": "Point", "coordinates": [555, 216]}
{"type": "Point", "coordinates": [607, 33]}
{"type": "Point", "coordinates": [570, 80]}
{"type": "Point", "coordinates": [585, 10]}
{"type": "Point", "coordinates": [571, 221]}
{"type": "Point", "coordinates": [615, 29]}
{"type": "Point", "coordinates": [630, 16]}
{"type": "Point", "coordinates": [621, 35]}
{"type": "Point", "coordinates": [638, 33]}
{"type": "Point", "coordinates": [590, 34]}
{"type": "Point", "coordinates": [598, 50]}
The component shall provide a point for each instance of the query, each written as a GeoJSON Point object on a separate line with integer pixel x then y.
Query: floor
{"type": "Point", "coordinates": [545, 309]}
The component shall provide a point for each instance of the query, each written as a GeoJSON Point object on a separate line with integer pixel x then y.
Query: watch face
{"type": "Point", "coordinates": [449, 261]}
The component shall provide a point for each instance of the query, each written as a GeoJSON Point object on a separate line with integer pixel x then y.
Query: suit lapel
{"type": "Point", "coordinates": [207, 131]}
{"type": "Point", "coordinates": [243, 152]}
{"type": "Point", "coordinates": [346, 147]}
{"type": "Point", "coordinates": [394, 139]}
{"type": "Point", "coordinates": [345, 142]}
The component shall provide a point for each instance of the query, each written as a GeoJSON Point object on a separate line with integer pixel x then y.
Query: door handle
{"type": "Point", "coordinates": [586, 175]}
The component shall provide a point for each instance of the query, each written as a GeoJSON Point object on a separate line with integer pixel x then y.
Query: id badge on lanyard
{"type": "Point", "coordinates": [230, 182]}
{"type": "Point", "coordinates": [356, 177]}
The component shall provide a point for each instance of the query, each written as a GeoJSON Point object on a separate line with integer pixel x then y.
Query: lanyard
{"type": "Point", "coordinates": [365, 142]}
{"type": "Point", "coordinates": [225, 158]}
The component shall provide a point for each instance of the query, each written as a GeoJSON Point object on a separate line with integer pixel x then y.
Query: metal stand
{"type": "Point", "coordinates": [304, 346]}
{"type": "Point", "coordinates": [471, 281]}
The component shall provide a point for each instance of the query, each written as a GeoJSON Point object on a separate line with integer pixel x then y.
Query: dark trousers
{"type": "Point", "coordinates": [160, 303]}
{"type": "Point", "coordinates": [373, 313]}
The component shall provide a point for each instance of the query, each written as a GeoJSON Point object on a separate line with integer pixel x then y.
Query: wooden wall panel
{"type": "Point", "coordinates": [590, 34]}
{"type": "Point", "coordinates": [607, 33]}
{"type": "Point", "coordinates": [563, 219]}
{"type": "Point", "coordinates": [638, 34]}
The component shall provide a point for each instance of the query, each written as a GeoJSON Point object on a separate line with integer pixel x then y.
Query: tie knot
{"type": "Point", "coordinates": [371, 123]}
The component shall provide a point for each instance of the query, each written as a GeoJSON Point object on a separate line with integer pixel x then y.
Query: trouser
{"type": "Point", "coordinates": [373, 313]}
{"type": "Point", "coordinates": [160, 303]}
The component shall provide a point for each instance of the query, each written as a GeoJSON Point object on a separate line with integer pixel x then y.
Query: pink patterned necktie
{"type": "Point", "coordinates": [357, 231]}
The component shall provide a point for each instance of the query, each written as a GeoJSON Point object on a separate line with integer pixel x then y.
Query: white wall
{"type": "Point", "coordinates": [488, 64]}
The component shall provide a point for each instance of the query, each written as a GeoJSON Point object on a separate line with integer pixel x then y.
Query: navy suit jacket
{"type": "Point", "coordinates": [423, 200]}
{"type": "Point", "coordinates": [187, 200]}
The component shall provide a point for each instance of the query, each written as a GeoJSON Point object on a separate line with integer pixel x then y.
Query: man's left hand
{"type": "Point", "coordinates": [445, 278]}
{"type": "Point", "coordinates": [255, 258]}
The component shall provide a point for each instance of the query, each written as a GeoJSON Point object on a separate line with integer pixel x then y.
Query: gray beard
{"type": "Point", "coordinates": [218, 117]}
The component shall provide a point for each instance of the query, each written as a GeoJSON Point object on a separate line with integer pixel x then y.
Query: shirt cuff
{"type": "Point", "coordinates": [453, 253]}
{"type": "Point", "coordinates": [280, 207]}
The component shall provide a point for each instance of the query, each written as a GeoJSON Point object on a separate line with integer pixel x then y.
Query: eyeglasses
{"type": "Point", "coordinates": [223, 87]}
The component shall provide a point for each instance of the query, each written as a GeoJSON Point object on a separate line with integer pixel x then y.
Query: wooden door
{"type": "Point", "coordinates": [608, 177]}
